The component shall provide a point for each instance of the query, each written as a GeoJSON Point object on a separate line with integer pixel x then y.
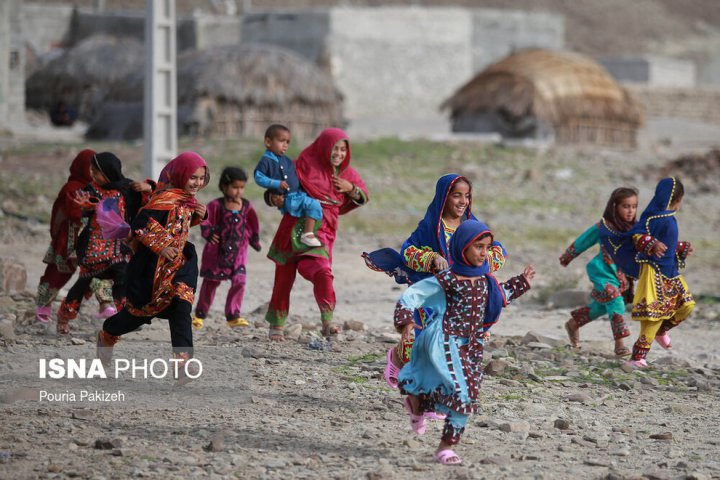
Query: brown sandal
{"type": "Point", "coordinates": [573, 333]}
{"type": "Point", "coordinates": [622, 351]}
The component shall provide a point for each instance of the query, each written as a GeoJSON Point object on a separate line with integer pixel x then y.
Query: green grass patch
{"type": "Point", "coordinates": [367, 358]}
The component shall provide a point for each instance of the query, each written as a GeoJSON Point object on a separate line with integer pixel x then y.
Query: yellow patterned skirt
{"type": "Point", "coordinates": [658, 297]}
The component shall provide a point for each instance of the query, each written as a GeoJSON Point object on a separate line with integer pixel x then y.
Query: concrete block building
{"type": "Point", "coordinates": [12, 66]}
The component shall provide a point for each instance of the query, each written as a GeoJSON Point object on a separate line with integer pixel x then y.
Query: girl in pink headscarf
{"type": "Point", "coordinates": [163, 271]}
{"type": "Point", "coordinates": [325, 174]}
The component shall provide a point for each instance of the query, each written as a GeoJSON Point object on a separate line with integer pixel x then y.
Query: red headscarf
{"type": "Point", "coordinates": [64, 208]}
{"type": "Point", "coordinates": [173, 179]}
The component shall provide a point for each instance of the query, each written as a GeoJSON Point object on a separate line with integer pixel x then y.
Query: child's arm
{"type": "Point", "coordinates": [149, 231]}
{"type": "Point", "coordinates": [513, 288]}
{"type": "Point", "coordinates": [262, 179]}
{"type": "Point", "coordinates": [425, 293]}
{"type": "Point", "coordinates": [683, 250]}
{"type": "Point", "coordinates": [589, 237]}
{"type": "Point", "coordinates": [253, 226]}
{"type": "Point", "coordinates": [209, 227]}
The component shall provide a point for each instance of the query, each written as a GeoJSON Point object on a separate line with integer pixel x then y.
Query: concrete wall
{"type": "Point", "coordinates": [12, 66]}
{"type": "Point", "coordinates": [701, 104]}
{"type": "Point", "coordinates": [398, 64]}
{"type": "Point", "coordinates": [497, 33]}
{"type": "Point", "coordinates": [657, 71]}
{"type": "Point", "coordinates": [49, 24]}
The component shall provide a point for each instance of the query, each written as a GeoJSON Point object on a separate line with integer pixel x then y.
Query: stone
{"type": "Point", "coordinates": [354, 325]}
{"type": "Point", "coordinates": [13, 275]}
{"type": "Point", "coordinates": [217, 443]}
{"type": "Point", "coordinates": [662, 436]}
{"type": "Point", "coordinates": [515, 427]}
{"type": "Point", "coordinates": [562, 424]}
{"type": "Point", "coordinates": [579, 397]}
{"type": "Point", "coordinates": [495, 367]}
{"type": "Point", "coordinates": [7, 329]}
{"type": "Point", "coordinates": [293, 331]}
{"type": "Point", "coordinates": [106, 443]}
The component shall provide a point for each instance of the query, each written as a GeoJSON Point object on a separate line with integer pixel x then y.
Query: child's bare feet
{"type": "Point", "coordinates": [620, 349]}
{"type": "Point", "coordinates": [573, 332]}
{"type": "Point", "coordinates": [276, 334]}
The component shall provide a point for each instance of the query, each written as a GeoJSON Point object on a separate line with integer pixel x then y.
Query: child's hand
{"type": "Point", "coordinates": [624, 284]}
{"type": "Point", "coordinates": [215, 239]}
{"type": "Point", "coordinates": [277, 200]}
{"type": "Point", "coordinates": [529, 273]}
{"type": "Point", "coordinates": [408, 331]}
{"type": "Point", "coordinates": [439, 263]}
{"type": "Point", "coordinates": [141, 187]}
{"type": "Point", "coordinates": [566, 258]}
{"type": "Point", "coordinates": [200, 210]}
{"type": "Point", "coordinates": [256, 246]}
{"type": "Point", "coordinates": [284, 185]}
{"type": "Point", "coordinates": [83, 199]}
{"type": "Point", "coordinates": [170, 253]}
{"type": "Point", "coordinates": [658, 249]}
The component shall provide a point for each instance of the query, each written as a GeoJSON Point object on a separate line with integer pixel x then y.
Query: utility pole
{"type": "Point", "coordinates": [160, 96]}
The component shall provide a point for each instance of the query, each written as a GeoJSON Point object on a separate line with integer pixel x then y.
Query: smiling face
{"type": "Point", "coordinates": [195, 182]}
{"type": "Point", "coordinates": [339, 153]}
{"type": "Point", "coordinates": [477, 251]}
{"type": "Point", "coordinates": [457, 201]}
{"type": "Point", "coordinates": [627, 208]}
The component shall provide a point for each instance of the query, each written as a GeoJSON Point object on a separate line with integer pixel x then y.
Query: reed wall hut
{"type": "Point", "coordinates": [82, 75]}
{"type": "Point", "coordinates": [230, 91]}
{"type": "Point", "coordinates": [544, 94]}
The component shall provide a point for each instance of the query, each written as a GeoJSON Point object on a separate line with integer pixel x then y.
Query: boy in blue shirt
{"type": "Point", "coordinates": [276, 173]}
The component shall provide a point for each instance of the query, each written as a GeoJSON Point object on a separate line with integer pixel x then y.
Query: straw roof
{"type": "Point", "coordinates": [88, 69]}
{"type": "Point", "coordinates": [259, 75]}
{"type": "Point", "coordinates": [555, 87]}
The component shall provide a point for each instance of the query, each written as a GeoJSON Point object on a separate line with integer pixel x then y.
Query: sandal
{"type": "Point", "coordinates": [276, 334]}
{"type": "Point", "coordinates": [391, 371]}
{"type": "Point", "coordinates": [330, 329]}
{"type": "Point", "coordinates": [622, 351]}
{"type": "Point", "coordinates": [447, 457]}
{"type": "Point", "coordinates": [417, 422]}
{"type": "Point", "coordinates": [664, 341]}
{"type": "Point", "coordinates": [434, 416]}
{"type": "Point", "coordinates": [43, 314]}
{"type": "Point", "coordinates": [198, 323]}
{"type": "Point", "coordinates": [573, 334]}
{"type": "Point", "coordinates": [238, 322]}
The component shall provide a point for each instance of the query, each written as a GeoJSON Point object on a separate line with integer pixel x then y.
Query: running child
{"type": "Point", "coordinates": [445, 368]}
{"type": "Point", "coordinates": [608, 282]}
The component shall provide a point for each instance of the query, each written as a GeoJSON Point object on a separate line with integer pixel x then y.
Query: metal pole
{"type": "Point", "coordinates": [160, 96]}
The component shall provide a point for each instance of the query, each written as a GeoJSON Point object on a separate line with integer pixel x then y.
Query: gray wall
{"type": "Point", "coordinates": [652, 70]}
{"type": "Point", "coordinates": [12, 66]}
{"type": "Point", "coordinates": [397, 65]}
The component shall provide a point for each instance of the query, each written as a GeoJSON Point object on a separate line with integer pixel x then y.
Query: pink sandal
{"type": "Point", "coordinates": [434, 416]}
{"type": "Point", "coordinates": [446, 457]}
{"type": "Point", "coordinates": [391, 371]}
{"type": "Point", "coordinates": [43, 314]}
{"type": "Point", "coordinates": [106, 312]}
{"type": "Point", "coordinates": [417, 422]}
{"type": "Point", "coordinates": [642, 363]}
{"type": "Point", "coordinates": [664, 341]}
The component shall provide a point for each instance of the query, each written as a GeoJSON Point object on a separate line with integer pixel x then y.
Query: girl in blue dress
{"type": "Point", "coordinates": [445, 368]}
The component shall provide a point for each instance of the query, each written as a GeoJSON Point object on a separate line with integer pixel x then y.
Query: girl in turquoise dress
{"type": "Point", "coordinates": [445, 368]}
{"type": "Point", "coordinates": [608, 281]}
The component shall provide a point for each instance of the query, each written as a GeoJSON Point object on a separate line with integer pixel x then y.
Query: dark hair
{"type": "Point", "coordinates": [678, 191]}
{"type": "Point", "coordinates": [274, 129]}
{"type": "Point", "coordinates": [231, 174]}
{"type": "Point", "coordinates": [610, 214]}
{"type": "Point", "coordinates": [462, 179]}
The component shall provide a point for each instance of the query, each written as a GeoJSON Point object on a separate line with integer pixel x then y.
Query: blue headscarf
{"type": "Point", "coordinates": [659, 221]}
{"type": "Point", "coordinates": [430, 231]}
{"type": "Point", "coordinates": [467, 233]}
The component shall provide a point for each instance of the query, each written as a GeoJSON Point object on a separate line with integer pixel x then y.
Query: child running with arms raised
{"type": "Point", "coordinates": [276, 173]}
{"type": "Point", "coordinates": [445, 368]}
{"type": "Point", "coordinates": [163, 271]}
{"type": "Point", "coordinates": [662, 300]}
{"type": "Point", "coordinates": [231, 226]}
{"type": "Point", "coordinates": [608, 282]}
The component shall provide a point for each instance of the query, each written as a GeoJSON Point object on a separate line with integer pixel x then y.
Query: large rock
{"type": "Point", "coordinates": [13, 276]}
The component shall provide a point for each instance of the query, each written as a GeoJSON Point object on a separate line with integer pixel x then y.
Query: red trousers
{"type": "Point", "coordinates": [316, 270]}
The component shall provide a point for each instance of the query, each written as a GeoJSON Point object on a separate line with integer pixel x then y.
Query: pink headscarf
{"type": "Point", "coordinates": [179, 170]}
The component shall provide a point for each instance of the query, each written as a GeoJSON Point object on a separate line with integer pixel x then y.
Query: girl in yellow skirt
{"type": "Point", "coordinates": [662, 300]}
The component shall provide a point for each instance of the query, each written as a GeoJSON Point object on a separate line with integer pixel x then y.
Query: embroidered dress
{"type": "Point", "coordinates": [445, 368]}
{"type": "Point", "coordinates": [313, 263]}
{"type": "Point", "coordinates": [158, 286]}
{"type": "Point", "coordinates": [66, 222]}
{"type": "Point", "coordinates": [606, 294]}
{"type": "Point", "coordinates": [226, 259]}
{"type": "Point", "coordinates": [662, 299]}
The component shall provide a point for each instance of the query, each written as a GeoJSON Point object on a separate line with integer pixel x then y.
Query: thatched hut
{"type": "Point", "coordinates": [229, 91]}
{"type": "Point", "coordinates": [82, 75]}
{"type": "Point", "coordinates": [543, 94]}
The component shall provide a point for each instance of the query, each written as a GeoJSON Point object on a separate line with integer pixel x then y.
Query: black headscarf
{"type": "Point", "coordinates": [110, 166]}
